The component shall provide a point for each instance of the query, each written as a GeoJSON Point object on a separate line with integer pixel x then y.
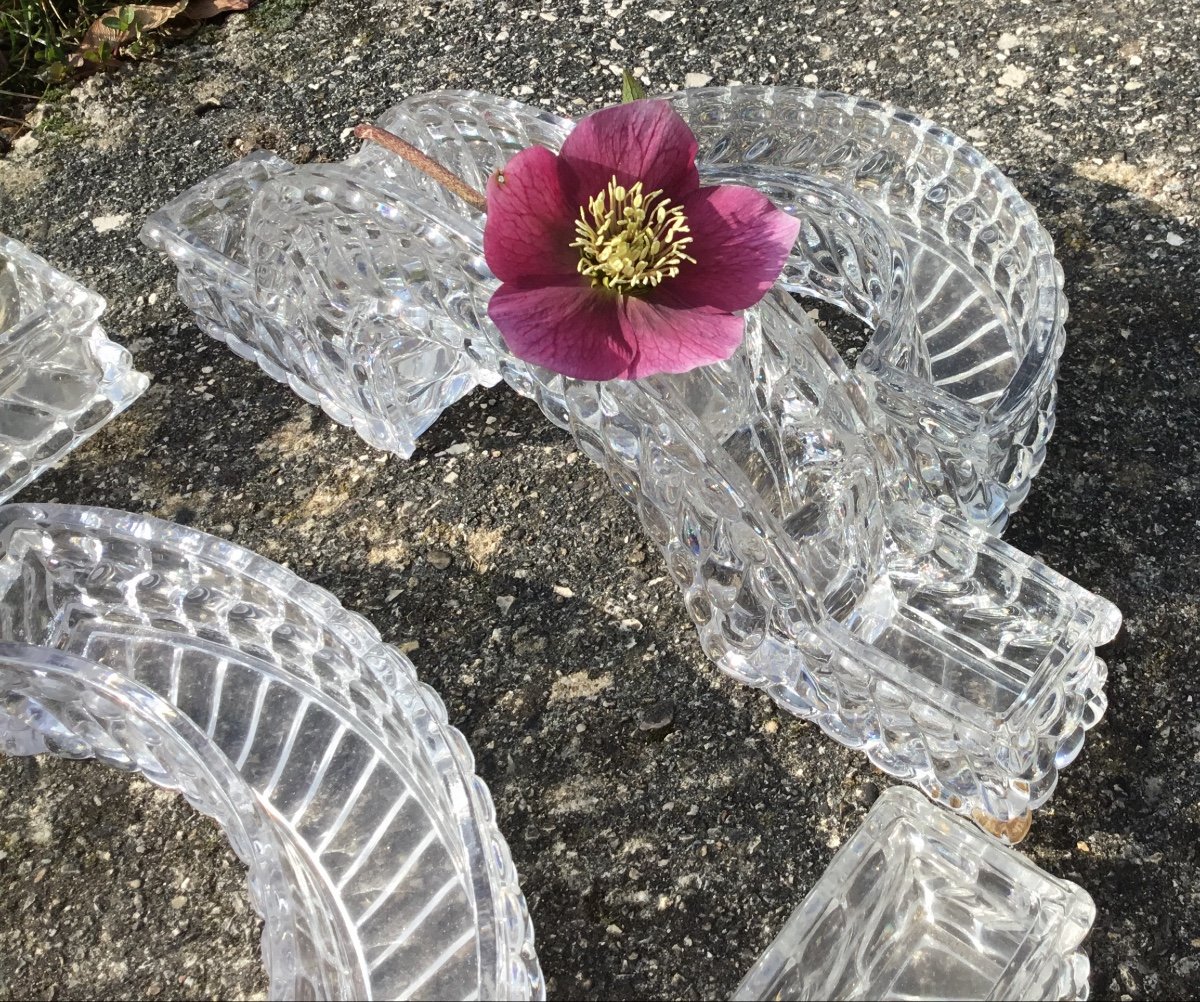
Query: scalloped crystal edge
{"type": "Point", "coordinates": [71, 310]}
{"type": "Point", "coordinates": [518, 971]}
{"type": "Point", "coordinates": [1061, 969]}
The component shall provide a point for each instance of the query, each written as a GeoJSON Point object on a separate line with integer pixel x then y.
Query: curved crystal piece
{"type": "Point", "coordinates": [987, 287]}
{"type": "Point", "coordinates": [385, 386]}
{"type": "Point", "coordinates": [768, 481]}
{"type": "Point", "coordinates": [374, 855]}
{"type": "Point", "coordinates": [919, 904]}
{"type": "Point", "coordinates": [964, 374]}
{"type": "Point", "coordinates": [61, 378]}
{"type": "Point", "coordinates": [967, 390]}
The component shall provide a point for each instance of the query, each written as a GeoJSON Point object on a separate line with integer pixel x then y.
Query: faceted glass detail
{"type": "Point", "coordinates": [372, 846]}
{"type": "Point", "coordinates": [61, 378]}
{"type": "Point", "coordinates": [363, 369]}
{"type": "Point", "coordinates": [802, 526]}
{"type": "Point", "coordinates": [968, 390]}
{"type": "Point", "coordinates": [920, 904]}
{"type": "Point", "coordinates": [963, 359]}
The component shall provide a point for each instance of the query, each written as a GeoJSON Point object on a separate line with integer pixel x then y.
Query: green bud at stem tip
{"type": "Point", "coordinates": [631, 90]}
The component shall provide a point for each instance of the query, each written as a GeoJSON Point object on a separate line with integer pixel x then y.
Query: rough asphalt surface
{"type": "Point", "coordinates": [656, 863]}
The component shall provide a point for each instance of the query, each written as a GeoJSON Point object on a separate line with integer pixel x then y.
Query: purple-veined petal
{"type": "Point", "coordinates": [643, 141]}
{"type": "Point", "coordinates": [740, 241]}
{"type": "Point", "coordinates": [530, 224]}
{"type": "Point", "coordinates": [567, 327]}
{"type": "Point", "coordinates": [670, 338]}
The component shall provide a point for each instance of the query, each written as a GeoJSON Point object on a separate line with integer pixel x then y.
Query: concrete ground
{"type": "Point", "coordinates": [656, 864]}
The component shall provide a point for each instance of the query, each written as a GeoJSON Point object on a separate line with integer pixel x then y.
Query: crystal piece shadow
{"type": "Point", "coordinates": [810, 566]}
{"type": "Point", "coordinates": [372, 846]}
{"type": "Point", "coordinates": [920, 904]}
{"type": "Point", "coordinates": [61, 378]}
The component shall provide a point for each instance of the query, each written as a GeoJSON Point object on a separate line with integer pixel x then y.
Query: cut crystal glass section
{"type": "Point", "coordinates": [364, 369]}
{"type": "Point", "coordinates": [968, 391]}
{"type": "Point", "coordinates": [372, 846]}
{"type": "Point", "coordinates": [965, 348]}
{"type": "Point", "coordinates": [61, 378]}
{"type": "Point", "coordinates": [829, 550]}
{"type": "Point", "coordinates": [920, 904]}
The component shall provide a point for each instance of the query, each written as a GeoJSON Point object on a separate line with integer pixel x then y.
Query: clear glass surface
{"type": "Point", "coordinates": [820, 539]}
{"type": "Point", "coordinates": [968, 391]}
{"type": "Point", "coordinates": [364, 370]}
{"type": "Point", "coordinates": [61, 378]}
{"type": "Point", "coordinates": [920, 904]}
{"type": "Point", "coordinates": [372, 847]}
{"type": "Point", "coordinates": [962, 365]}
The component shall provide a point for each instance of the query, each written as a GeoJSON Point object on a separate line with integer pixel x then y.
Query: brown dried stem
{"type": "Point", "coordinates": [448, 180]}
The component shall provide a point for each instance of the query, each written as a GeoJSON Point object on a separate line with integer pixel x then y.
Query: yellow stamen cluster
{"type": "Point", "coordinates": [629, 241]}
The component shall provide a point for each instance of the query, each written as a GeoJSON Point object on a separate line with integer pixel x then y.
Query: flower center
{"type": "Point", "coordinates": [629, 241]}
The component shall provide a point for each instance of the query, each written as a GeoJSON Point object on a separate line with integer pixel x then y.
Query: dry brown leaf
{"type": "Point", "coordinates": [146, 16]}
{"type": "Point", "coordinates": [202, 10]}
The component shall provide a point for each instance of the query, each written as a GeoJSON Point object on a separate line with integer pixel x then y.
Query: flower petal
{"type": "Point", "coordinates": [568, 328]}
{"type": "Point", "coordinates": [530, 224]}
{"type": "Point", "coordinates": [670, 338]}
{"type": "Point", "coordinates": [740, 241]}
{"type": "Point", "coordinates": [643, 141]}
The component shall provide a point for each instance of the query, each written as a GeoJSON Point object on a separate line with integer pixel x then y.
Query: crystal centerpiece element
{"type": "Point", "coordinates": [372, 846]}
{"type": "Point", "coordinates": [968, 390]}
{"type": "Point", "coordinates": [61, 378]}
{"type": "Point", "coordinates": [920, 904]}
{"type": "Point", "coordinates": [964, 374]}
{"type": "Point", "coordinates": [827, 528]}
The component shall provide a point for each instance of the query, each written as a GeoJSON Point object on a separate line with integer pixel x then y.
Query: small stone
{"type": "Point", "coordinates": [178, 902]}
{"type": "Point", "coordinates": [562, 591]}
{"type": "Point", "coordinates": [505, 602]}
{"type": "Point", "coordinates": [102, 224]}
{"type": "Point", "coordinates": [439, 559]}
{"type": "Point", "coordinates": [1174, 240]}
{"type": "Point", "coordinates": [865, 794]}
{"type": "Point", "coordinates": [458, 449]}
{"type": "Point", "coordinates": [697, 80]}
{"type": "Point", "coordinates": [660, 15]}
{"type": "Point", "coordinates": [1013, 77]}
{"type": "Point", "coordinates": [1008, 41]}
{"type": "Point", "coordinates": [657, 718]}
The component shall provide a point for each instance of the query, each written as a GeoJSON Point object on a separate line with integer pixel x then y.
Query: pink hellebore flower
{"type": "Point", "coordinates": [615, 263]}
